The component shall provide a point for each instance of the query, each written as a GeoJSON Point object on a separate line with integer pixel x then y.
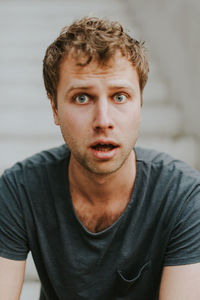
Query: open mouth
{"type": "Point", "coordinates": [104, 147]}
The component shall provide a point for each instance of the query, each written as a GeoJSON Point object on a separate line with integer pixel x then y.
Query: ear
{"type": "Point", "coordinates": [54, 110]}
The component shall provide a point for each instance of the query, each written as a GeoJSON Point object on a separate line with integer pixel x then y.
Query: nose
{"type": "Point", "coordinates": [102, 115]}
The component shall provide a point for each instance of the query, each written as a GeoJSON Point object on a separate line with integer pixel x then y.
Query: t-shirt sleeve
{"type": "Point", "coordinates": [184, 244]}
{"type": "Point", "coordinates": [13, 238]}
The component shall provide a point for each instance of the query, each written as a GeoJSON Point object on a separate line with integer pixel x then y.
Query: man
{"type": "Point", "coordinates": [102, 218]}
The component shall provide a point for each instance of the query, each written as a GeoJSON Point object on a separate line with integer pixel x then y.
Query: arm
{"type": "Point", "coordinates": [11, 278]}
{"type": "Point", "coordinates": [180, 282]}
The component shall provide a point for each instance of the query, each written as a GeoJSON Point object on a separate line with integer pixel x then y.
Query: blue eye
{"type": "Point", "coordinates": [82, 99]}
{"type": "Point", "coordinates": [120, 98]}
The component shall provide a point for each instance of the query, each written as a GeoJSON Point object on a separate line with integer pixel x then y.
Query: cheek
{"type": "Point", "coordinates": [134, 118]}
{"type": "Point", "coordinates": [71, 123]}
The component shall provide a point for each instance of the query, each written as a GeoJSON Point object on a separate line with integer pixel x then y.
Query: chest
{"type": "Point", "coordinates": [96, 219]}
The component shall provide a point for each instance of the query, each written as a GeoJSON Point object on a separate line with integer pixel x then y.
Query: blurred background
{"type": "Point", "coordinates": [171, 122]}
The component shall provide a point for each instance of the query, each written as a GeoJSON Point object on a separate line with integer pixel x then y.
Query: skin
{"type": "Point", "coordinates": [11, 278]}
{"type": "Point", "coordinates": [99, 104]}
{"type": "Point", "coordinates": [100, 115]}
{"type": "Point", "coordinates": [180, 282]}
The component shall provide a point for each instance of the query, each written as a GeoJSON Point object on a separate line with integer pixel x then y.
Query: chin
{"type": "Point", "coordinates": [103, 170]}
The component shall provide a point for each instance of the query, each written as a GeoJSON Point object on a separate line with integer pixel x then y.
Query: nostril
{"type": "Point", "coordinates": [100, 127]}
{"type": "Point", "coordinates": [102, 120]}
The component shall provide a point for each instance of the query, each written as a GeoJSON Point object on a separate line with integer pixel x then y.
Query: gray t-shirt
{"type": "Point", "coordinates": [160, 226]}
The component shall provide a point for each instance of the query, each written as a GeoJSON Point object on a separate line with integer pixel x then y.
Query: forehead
{"type": "Point", "coordinates": [117, 72]}
{"type": "Point", "coordinates": [79, 66]}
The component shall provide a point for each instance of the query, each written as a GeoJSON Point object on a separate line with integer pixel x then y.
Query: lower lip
{"type": "Point", "coordinates": [104, 155]}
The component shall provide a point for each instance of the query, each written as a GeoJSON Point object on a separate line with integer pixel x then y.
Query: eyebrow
{"type": "Point", "coordinates": [78, 87]}
{"type": "Point", "coordinates": [112, 85]}
{"type": "Point", "coordinates": [121, 85]}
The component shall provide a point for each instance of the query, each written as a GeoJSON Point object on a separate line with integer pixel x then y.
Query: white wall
{"type": "Point", "coordinates": [172, 31]}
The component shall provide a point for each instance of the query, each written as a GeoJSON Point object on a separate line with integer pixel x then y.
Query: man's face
{"type": "Point", "coordinates": [98, 111]}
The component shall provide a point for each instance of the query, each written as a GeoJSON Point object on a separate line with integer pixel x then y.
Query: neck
{"type": "Point", "coordinates": [102, 189]}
